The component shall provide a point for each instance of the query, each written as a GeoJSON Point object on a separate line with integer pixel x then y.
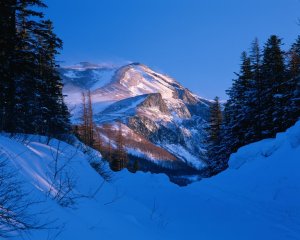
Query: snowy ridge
{"type": "Point", "coordinates": [139, 79]}
{"type": "Point", "coordinates": [123, 108]}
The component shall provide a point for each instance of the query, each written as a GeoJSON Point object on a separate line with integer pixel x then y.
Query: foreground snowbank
{"type": "Point", "coordinates": [258, 197]}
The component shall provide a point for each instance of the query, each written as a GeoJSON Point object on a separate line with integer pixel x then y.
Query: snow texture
{"type": "Point", "coordinates": [256, 198]}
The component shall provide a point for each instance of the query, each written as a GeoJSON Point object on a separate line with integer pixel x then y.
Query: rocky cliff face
{"type": "Point", "coordinates": [151, 105]}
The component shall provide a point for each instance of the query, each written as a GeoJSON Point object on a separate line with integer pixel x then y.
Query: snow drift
{"type": "Point", "coordinates": [257, 197]}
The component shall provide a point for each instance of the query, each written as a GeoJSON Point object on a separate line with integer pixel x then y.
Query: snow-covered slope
{"type": "Point", "coordinates": [110, 84]}
{"type": "Point", "coordinates": [152, 105]}
{"type": "Point", "coordinates": [256, 198]}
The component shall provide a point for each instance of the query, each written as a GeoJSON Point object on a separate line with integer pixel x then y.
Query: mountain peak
{"type": "Point", "coordinates": [152, 105]}
{"type": "Point", "coordinates": [109, 83]}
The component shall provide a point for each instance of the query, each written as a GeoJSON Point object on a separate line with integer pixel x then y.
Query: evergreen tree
{"type": "Point", "coordinates": [215, 121]}
{"type": "Point", "coordinates": [293, 86]}
{"type": "Point", "coordinates": [8, 40]}
{"type": "Point", "coordinates": [238, 107]}
{"type": "Point", "coordinates": [25, 64]}
{"type": "Point", "coordinates": [274, 88]}
{"type": "Point", "coordinates": [256, 91]}
{"type": "Point", "coordinates": [31, 99]}
{"type": "Point", "coordinates": [214, 137]}
{"type": "Point", "coordinates": [52, 113]}
{"type": "Point", "coordinates": [135, 166]}
{"type": "Point", "coordinates": [244, 101]}
{"type": "Point", "coordinates": [226, 140]}
{"type": "Point", "coordinates": [263, 100]}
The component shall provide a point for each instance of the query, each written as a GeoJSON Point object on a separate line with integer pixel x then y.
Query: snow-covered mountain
{"type": "Point", "coordinates": [153, 106]}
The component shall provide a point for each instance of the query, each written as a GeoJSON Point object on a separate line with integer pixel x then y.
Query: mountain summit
{"type": "Point", "coordinates": [163, 121]}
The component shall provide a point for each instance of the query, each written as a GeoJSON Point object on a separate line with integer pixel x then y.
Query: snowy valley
{"type": "Point", "coordinates": [255, 198]}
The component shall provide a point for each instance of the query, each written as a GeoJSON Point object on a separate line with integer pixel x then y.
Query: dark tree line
{"type": "Point", "coordinates": [264, 99]}
{"type": "Point", "coordinates": [31, 99]}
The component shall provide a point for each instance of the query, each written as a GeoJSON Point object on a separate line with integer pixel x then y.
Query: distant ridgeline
{"type": "Point", "coordinates": [264, 99]}
{"type": "Point", "coordinates": [31, 99]}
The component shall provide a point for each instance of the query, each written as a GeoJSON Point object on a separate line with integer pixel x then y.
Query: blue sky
{"type": "Point", "coordinates": [198, 42]}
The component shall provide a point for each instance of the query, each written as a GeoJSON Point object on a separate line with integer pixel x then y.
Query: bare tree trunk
{"type": "Point", "coordinates": [90, 122]}
{"type": "Point", "coordinates": [84, 119]}
{"type": "Point", "coordinates": [120, 159]}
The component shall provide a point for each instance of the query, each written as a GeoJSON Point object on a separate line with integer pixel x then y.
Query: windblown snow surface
{"type": "Point", "coordinates": [258, 197]}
